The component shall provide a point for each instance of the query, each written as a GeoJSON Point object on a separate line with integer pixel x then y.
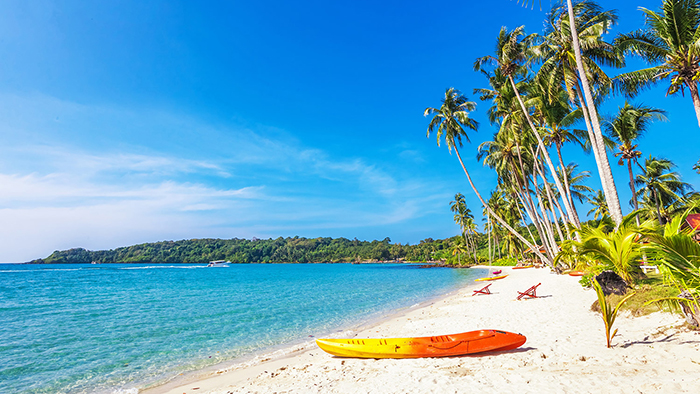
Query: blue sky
{"type": "Point", "coordinates": [125, 122]}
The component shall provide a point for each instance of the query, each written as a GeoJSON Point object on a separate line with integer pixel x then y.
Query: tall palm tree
{"type": "Point", "coordinates": [600, 206]}
{"type": "Point", "coordinates": [669, 40]}
{"type": "Point", "coordinates": [558, 116]}
{"type": "Point", "coordinates": [566, 62]}
{"type": "Point", "coordinates": [510, 54]}
{"type": "Point", "coordinates": [626, 128]}
{"type": "Point", "coordinates": [660, 185]}
{"type": "Point", "coordinates": [448, 122]}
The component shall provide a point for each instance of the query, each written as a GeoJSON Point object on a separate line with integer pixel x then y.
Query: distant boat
{"type": "Point", "coordinates": [218, 263]}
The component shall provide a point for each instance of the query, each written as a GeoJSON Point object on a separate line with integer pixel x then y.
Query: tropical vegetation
{"type": "Point", "coordinates": [544, 91]}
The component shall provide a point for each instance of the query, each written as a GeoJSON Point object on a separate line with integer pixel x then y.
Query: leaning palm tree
{"type": "Point", "coordinates": [509, 57]}
{"type": "Point", "coordinates": [565, 62]}
{"type": "Point", "coordinates": [669, 41]}
{"type": "Point", "coordinates": [660, 185]}
{"type": "Point", "coordinates": [625, 128]}
{"type": "Point", "coordinates": [448, 122]}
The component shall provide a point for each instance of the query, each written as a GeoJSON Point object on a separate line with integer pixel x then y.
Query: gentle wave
{"type": "Point", "coordinates": [163, 267]}
{"type": "Point", "coordinates": [123, 328]}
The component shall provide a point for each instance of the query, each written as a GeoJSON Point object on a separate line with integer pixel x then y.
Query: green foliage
{"type": "Point", "coordinates": [587, 280]}
{"type": "Point", "coordinates": [609, 313]}
{"type": "Point", "coordinates": [280, 250]}
{"type": "Point", "coordinates": [676, 253]}
{"type": "Point", "coordinates": [507, 261]}
{"type": "Point", "coordinates": [618, 250]}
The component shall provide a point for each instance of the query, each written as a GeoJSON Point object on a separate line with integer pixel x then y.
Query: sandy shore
{"type": "Point", "coordinates": [565, 350]}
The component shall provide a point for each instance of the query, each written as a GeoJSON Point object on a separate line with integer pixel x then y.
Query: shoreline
{"type": "Point", "coordinates": [273, 356]}
{"type": "Point", "coordinates": [565, 350]}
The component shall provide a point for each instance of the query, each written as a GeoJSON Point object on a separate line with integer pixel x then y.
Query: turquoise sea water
{"type": "Point", "coordinates": [81, 328]}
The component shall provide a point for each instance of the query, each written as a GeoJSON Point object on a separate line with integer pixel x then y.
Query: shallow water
{"type": "Point", "coordinates": [82, 328]}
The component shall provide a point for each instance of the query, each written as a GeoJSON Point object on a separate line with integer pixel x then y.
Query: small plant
{"type": "Point", "coordinates": [586, 280]}
{"type": "Point", "coordinates": [609, 314]}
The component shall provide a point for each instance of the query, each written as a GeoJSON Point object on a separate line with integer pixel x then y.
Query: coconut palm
{"type": "Point", "coordinates": [459, 249]}
{"type": "Point", "coordinates": [669, 40]}
{"type": "Point", "coordinates": [511, 53]}
{"type": "Point", "coordinates": [557, 117]}
{"type": "Point", "coordinates": [627, 127]}
{"type": "Point", "coordinates": [566, 62]}
{"type": "Point", "coordinates": [577, 188]}
{"type": "Point", "coordinates": [660, 186]}
{"type": "Point", "coordinates": [448, 122]}
{"type": "Point", "coordinates": [600, 206]}
{"type": "Point", "coordinates": [461, 212]}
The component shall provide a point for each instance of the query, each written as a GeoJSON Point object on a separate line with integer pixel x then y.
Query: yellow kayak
{"type": "Point", "coordinates": [438, 346]}
{"type": "Point", "coordinates": [491, 278]}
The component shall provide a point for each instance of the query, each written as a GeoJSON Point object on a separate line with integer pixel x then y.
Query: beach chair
{"type": "Point", "coordinates": [529, 293]}
{"type": "Point", "coordinates": [484, 290]}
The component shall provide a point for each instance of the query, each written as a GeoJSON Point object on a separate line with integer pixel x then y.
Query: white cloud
{"type": "Point", "coordinates": [70, 187]}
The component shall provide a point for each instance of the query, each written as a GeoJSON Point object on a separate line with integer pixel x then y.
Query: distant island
{"type": "Point", "coordinates": [279, 250]}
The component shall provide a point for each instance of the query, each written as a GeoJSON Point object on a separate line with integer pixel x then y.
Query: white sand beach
{"type": "Point", "coordinates": [565, 350]}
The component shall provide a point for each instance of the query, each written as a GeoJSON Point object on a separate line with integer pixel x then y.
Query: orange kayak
{"type": "Point", "coordinates": [576, 273]}
{"type": "Point", "coordinates": [523, 267]}
{"type": "Point", "coordinates": [439, 346]}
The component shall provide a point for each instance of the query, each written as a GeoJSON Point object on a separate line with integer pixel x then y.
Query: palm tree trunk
{"type": "Point", "coordinates": [519, 198]}
{"type": "Point", "coordinates": [498, 218]}
{"type": "Point", "coordinates": [693, 87]}
{"type": "Point", "coordinates": [658, 207]}
{"type": "Point", "coordinates": [488, 223]}
{"type": "Point", "coordinates": [565, 175]}
{"type": "Point", "coordinates": [609, 187]}
{"type": "Point", "coordinates": [527, 200]}
{"type": "Point", "coordinates": [550, 195]}
{"type": "Point", "coordinates": [551, 245]}
{"type": "Point", "coordinates": [552, 201]}
{"type": "Point", "coordinates": [634, 192]}
{"type": "Point", "coordinates": [541, 145]}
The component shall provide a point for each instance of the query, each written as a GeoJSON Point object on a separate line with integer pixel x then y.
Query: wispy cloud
{"type": "Point", "coordinates": [67, 187]}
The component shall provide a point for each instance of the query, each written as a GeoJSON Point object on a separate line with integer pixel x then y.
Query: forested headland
{"type": "Point", "coordinates": [279, 250]}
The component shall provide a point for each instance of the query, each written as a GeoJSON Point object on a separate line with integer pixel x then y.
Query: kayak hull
{"type": "Point", "coordinates": [491, 278]}
{"type": "Point", "coordinates": [523, 267]}
{"type": "Point", "coordinates": [438, 346]}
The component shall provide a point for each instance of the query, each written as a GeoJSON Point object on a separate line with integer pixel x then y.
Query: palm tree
{"type": "Point", "coordinates": [566, 62]}
{"type": "Point", "coordinates": [558, 117]}
{"type": "Point", "coordinates": [464, 218]}
{"type": "Point", "coordinates": [461, 212]}
{"type": "Point", "coordinates": [448, 122]}
{"type": "Point", "coordinates": [618, 250]}
{"type": "Point", "coordinates": [600, 206]}
{"type": "Point", "coordinates": [625, 128]}
{"type": "Point", "coordinates": [577, 188]}
{"type": "Point", "coordinates": [510, 54]}
{"type": "Point", "coordinates": [669, 40]}
{"type": "Point", "coordinates": [659, 185]}
{"type": "Point", "coordinates": [459, 249]}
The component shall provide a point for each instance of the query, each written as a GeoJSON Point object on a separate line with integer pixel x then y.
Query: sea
{"type": "Point", "coordinates": [121, 328]}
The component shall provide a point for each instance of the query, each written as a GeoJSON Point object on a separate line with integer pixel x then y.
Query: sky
{"type": "Point", "coordinates": [124, 122]}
